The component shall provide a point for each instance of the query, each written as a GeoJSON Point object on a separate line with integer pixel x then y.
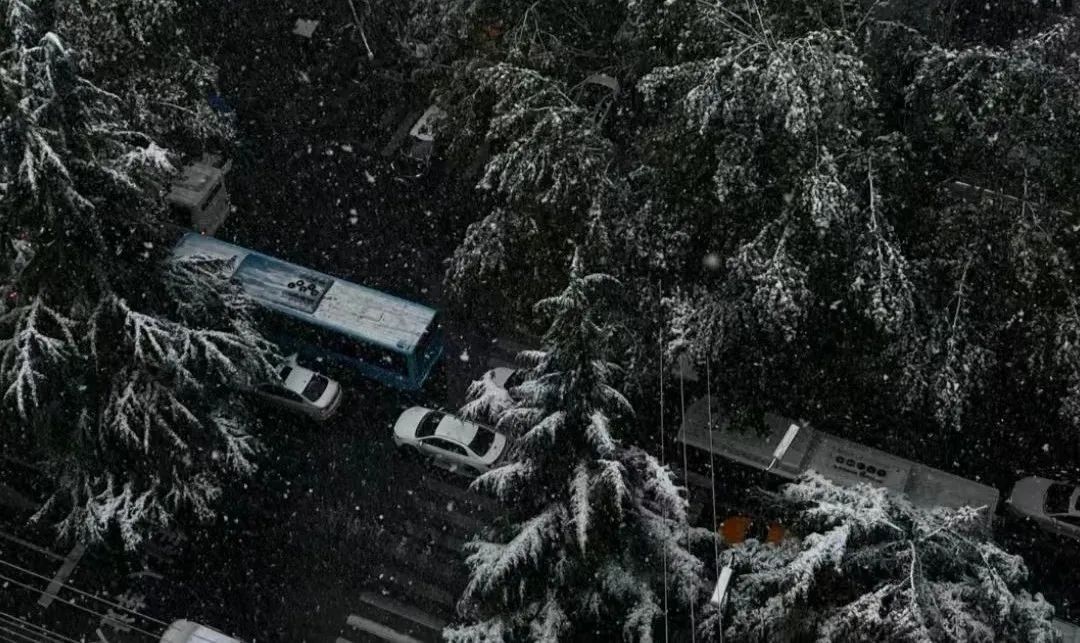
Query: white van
{"type": "Point", "coordinates": [183, 631]}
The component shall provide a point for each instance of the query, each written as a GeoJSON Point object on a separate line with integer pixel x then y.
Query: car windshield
{"type": "Point", "coordinates": [1057, 498]}
{"type": "Point", "coordinates": [316, 387]}
{"type": "Point", "coordinates": [482, 441]}
{"type": "Point", "coordinates": [428, 423]}
{"type": "Point", "coordinates": [285, 372]}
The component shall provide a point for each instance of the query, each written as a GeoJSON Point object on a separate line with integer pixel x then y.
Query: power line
{"type": "Point", "coordinates": [20, 636]}
{"type": "Point", "coordinates": [663, 508]}
{"type": "Point", "coordinates": [712, 464]}
{"type": "Point", "coordinates": [37, 590]}
{"type": "Point", "coordinates": [686, 471]}
{"type": "Point", "coordinates": [82, 593]}
{"type": "Point", "coordinates": [23, 625]}
{"type": "Point", "coordinates": [48, 632]}
{"type": "Point", "coordinates": [31, 546]}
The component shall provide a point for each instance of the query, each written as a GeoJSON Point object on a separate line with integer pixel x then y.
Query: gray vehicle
{"type": "Point", "coordinates": [1054, 505]}
{"type": "Point", "coordinates": [302, 390]}
{"type": "Point", "coordinates": [455, 444]}
{"type": "Point", "coordinates": [191, 632]}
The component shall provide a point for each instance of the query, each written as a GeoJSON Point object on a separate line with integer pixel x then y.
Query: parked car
{"type": "Point", "coordinates": [302, 390]}
{"type": "Point", "coordinates": [190, 632]}
{"type": "Point", "coordinates": [1054, 505]}
{"type": "Point", "coordinates": [418, 149]}
{"type": "Point", "coordinates": [456, 444]}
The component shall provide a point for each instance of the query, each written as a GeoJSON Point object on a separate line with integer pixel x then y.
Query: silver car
{"type": "Point", "coordinates": [456, 444]}
{"type": "Point", "coordinates": [1054, 505]}
{"type": "Point", "coordinates": [302, 390]}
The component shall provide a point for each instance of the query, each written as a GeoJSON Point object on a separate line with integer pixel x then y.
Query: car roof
{"type": "Point", "coordinates": [184, 631]}
{"type": "Point", "coordinates": [456, 429]}
{"type": "Point", "coordinates": [298, 377]}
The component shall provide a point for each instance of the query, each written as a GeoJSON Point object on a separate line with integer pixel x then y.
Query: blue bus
{"type": "Point", "coordinates": [387, 338]}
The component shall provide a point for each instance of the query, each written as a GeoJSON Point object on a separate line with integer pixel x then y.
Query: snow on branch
{"type": "Point", "coordinates": [503, 482]}
{"type": "Point", "coordinates": [39, 339]}
{"type": "Point", "coordinates": [491, 564]}
{"type": "Point", "coordinates": [487, 400]}
{"type": "Point", "coordinates": [870, 565]}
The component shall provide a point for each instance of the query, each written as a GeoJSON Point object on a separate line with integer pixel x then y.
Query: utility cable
{"type": "Point", "coordinates": [686, 472]}
{"type": "Point", "coordinates": [28, 624]}
{"type": "Point", "coordinates": [663, 506]}
{"type": "Point", "coordinates": [21, 637]}
{"type": "Point", "coordinates": [86, 594]}
{"type": "Point", "coordinates": [712, 465]}
{"type": "Point", "coordinates": [37, 590]}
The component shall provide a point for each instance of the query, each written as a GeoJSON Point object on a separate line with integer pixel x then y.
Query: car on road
{"type": "Point", "coordinates": [302, 390]}
{"type": "Point", "coordinates": [456, 444]}
{"type": "Point", "coordinates": [418, 149]}
{"type": "Point", "coordinates": [1053, 505]}
{"type": "Point", "coordinates": [183, 631]}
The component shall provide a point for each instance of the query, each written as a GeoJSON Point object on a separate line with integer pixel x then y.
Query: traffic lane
{"type": "Point", "coordinates": [293, 543]}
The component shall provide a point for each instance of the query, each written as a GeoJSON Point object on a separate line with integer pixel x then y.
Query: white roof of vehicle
{"type": "Point", "coordinates": [298, 377]}
{"type": "Point", "coordinates": [183, 631]}
{"type": "Point", "coordinates": [456, 429]}
{"type": "Point", "coordinates": [376, 316]}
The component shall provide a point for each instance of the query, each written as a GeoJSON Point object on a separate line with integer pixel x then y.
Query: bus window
{"type": "Point", "coordinates": [325, 342]}
{"type": "Point", "coordinates": [383, 358]}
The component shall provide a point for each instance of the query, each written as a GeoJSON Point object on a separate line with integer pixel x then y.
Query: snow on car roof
{"type": "Point", "coordinates": [456, 429]}
{"type": "Point", "coordinates": [369, 314]}
{"type": "Point", "coordinates": [184, 631]}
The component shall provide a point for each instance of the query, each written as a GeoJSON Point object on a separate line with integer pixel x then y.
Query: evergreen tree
{"type": "Point", "coordinates": [869, 566]}
{"type": "Point", "coordinates": [811, 153]}
{"type": "Point", "coordinates": [117, 368]}
{"type": "Point", "coordinates": [594, 521]}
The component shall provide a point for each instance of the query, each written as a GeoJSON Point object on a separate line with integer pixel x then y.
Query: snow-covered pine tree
{"type": "Point", "coordinates": [158, 90]}
{"type": "Point", "coordinates": [869, 566]}
{"type": "Point", "coordinates": [117, 369]}
{"type": "Point", "coordinates": [593, 521]}
{"type": "Point", "coordinates": [812, 153]}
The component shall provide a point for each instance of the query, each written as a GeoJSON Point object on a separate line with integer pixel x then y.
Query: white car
{"type": "Point", "coordinates": [190, 632]}
{"type": "Point", "coordinates": [1054, 505]}
{"type": "Point", "coordinates": [302, 390]}
{"type": "Point", "coordinates": [459, 445]}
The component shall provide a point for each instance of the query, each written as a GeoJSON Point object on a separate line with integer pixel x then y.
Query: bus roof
{"type": "Point", "coordinates": [360, 312]}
